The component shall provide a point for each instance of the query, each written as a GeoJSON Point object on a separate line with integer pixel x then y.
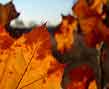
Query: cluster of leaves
{"type": "Point", "coordinates": [90, 18]}
{"type": "Point", "coordinates": [27, 62]}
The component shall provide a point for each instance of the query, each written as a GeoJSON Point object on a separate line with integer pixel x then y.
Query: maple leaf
{"type": "Point", "coordinates": [21, 67]}
{"type": "Point", "coordinates": [64, 35]}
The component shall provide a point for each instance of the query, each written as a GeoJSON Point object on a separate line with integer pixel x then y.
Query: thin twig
{"type": "Point", "coordinates": [100, 70]}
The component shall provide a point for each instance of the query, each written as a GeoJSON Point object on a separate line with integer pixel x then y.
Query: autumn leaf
{"type": "Point", "coordinates": [81, 77]}
{"type": "Point", "coordinates": [91, 23]}
{"type": "Point", "coordinates": [80, 72]}
{"type": "Point", "coordinates": [25, 65]}
{"type": "Point", "coordinates": [85, 8]}
{"type": "Point", "coordinates": [64, 35]}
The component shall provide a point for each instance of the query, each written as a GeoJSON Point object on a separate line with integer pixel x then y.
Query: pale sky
{"type": "Point", "coordinates": [41, 11]}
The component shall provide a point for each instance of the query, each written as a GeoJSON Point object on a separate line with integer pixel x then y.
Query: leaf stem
{"type": "Point", "coordinates": [100, 67]}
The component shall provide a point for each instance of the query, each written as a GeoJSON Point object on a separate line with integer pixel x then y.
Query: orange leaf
{"type": "Point", "coordinates": [37, 35]}
{"type": "Point", "coordinates": [26, 64]}
{"type": "Point", "coordinates": [64, 35]}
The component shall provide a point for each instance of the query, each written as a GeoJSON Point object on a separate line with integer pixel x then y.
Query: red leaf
{"type": "Point", "coordinates": [93, 38]}
{"type": "Point", "coordinates": [78, 73]}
